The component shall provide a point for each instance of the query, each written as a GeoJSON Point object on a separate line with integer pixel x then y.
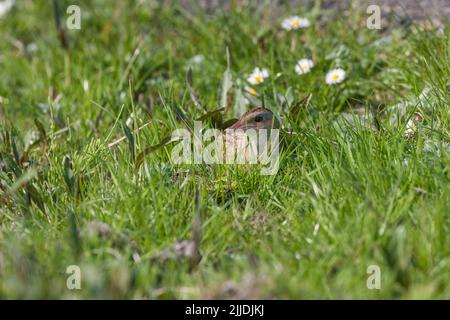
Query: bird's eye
{"type": "Point", "coordinates": [258, 118]}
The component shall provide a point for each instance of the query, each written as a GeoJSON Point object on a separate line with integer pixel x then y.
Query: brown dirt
{"type": "Point", "coordinates": [437, 10]}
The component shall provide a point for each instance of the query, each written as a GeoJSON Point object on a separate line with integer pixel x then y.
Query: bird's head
{"type": "Point", "coordinates": [258, 118]}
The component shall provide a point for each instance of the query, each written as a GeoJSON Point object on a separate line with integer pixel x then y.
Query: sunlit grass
{"type": "Point", "coordinates": [353, 189]}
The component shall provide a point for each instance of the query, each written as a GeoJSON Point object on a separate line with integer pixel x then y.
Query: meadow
{"type": "Point", "coordinates": [86, 177]}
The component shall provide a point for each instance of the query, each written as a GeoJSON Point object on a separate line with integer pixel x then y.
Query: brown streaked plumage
{"type": "Point", "coordinates": [235, 138]}
{"type": "Point", "coordinates": [257, 118]}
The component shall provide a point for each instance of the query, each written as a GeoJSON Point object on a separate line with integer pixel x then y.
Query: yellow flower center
{"type": "Point", "coordinates": [252, 91]}
{"type": "Point", "coordinates": [258, 78]}
{"type": "Point", "coordinates": [335, 77]}
{"type": "Point", "coordinates": [294, 23]}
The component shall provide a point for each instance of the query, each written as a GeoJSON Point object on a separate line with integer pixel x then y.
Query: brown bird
{"type": "Point", "coordinates": [257, 118]}
{"type": "Point", "coordinates": [236, 140]}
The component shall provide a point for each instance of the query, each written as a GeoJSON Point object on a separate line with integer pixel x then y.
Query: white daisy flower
{"type": "Point", "coordinates": [411, 125]}
{"type": "Point", "coordinates": [32, 47]}
{"type": "Point", "coordinates": [85, 85]}
{"type": "Point", "coordinates": [197, 59]}
{"type": "Point", "coordinates": [335, 76]}
{"type": "Point", "coordinates": [410, 128]}
{"type": "Point", "coordinates": [5, 6]}
{"type": "Point", "coordinates": [194, 61]}
{"type": "Point", "coordinates": [304, 66]}
{"type": "Point", "coordinates": [294, 23]}
{"type": "Point", "coordinates": [250, 91]}
{"type": "Point", "coordinates": [257, 76]}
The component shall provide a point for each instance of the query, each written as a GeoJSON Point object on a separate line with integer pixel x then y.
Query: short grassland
{"type": "Point", "coordinates": [363, 177]}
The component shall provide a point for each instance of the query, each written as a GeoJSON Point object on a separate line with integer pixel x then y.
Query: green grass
{"type": "Point", "coordinates": [345, 197]}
